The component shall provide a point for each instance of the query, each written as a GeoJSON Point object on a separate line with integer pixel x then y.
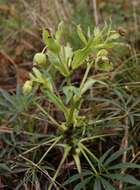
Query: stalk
{"type": "Point", "coordinates": [124, 145]}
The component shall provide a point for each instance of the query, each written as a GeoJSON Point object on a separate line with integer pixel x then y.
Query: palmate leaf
{"type": "Point", "coordinates": [97, 41]}
{"type": "Point", "coordinates": [81, 55]}
{"type": "Point", "coordinates": [11, 105]}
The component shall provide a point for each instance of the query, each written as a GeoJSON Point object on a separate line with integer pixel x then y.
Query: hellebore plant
{"type": "Point", "coordinates": [55, 60]}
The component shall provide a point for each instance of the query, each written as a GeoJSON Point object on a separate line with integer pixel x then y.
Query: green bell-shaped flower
{"type": "Point", "coordinates": [103, 64]}
{"type": "Point", "coordinates": [40, 59]}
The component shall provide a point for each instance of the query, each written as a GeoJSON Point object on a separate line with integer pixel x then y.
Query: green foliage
{"type": "Point", "coordinates": [66, 129]}
{"type": "Point", "coordinates": [105, 174]}
{"type": "Point", "coordinates": [67, 106]}
{"type": "Point", "coordinates": [13, 106]}
{"type": "Point", "coordinates": [72, 130]}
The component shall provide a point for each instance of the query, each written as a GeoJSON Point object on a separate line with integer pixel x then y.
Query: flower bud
{"type": "Point", "coordinates": [27, 87]}
{"type": "Point", "coordinates": [103, 64]}
{"type": "Point", "coordinates": [40, 59]}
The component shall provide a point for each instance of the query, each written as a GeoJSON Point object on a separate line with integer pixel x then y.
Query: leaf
{"type": "Point", "coordinates": [104, 156]}
{"type": "Point", "coordinates": [77, 162]}
{"type": "Point", "coordinates": [114, 36]}
{"type": "Point", "coordinates": [56, 100]}
{"type": "Point", "coordinates": [42, 78]}
{"type": "Point", "coordinates": [51, 43]}
{"type": "Point", "coordinates": [89, 83]}
{"type": "Point", "coordinates": [95, 43]}
{"type": "Point", "coordinates": [97, 31]}
{"type": "Point", "coordinates": [115, 155]}
{"type": "Point", "coordinates": [106, 184]}
{"type": "Point", "coordinates": [125, 165]}
{"type": "Point", "coordinates": [81, 35]}
{"type": "Point", "coordinates": [68, 52]}
{"type": "Point", "coordinates": [4, 168]}
{"type": "Point", "coordinates": [57, 63]}
{"type": "Point", "coordinates": [102, 52]}
{"type": "Point", "coordinates": [69, 92]}
{"type": "Point", "coordinates": [37, 74]}
{"type": "Point", "coordinates": [125, 178]}
{"type": "Point", "coordinates": [7, 96]}
{"type": "Point", "coordinates": [136, 102]}
{"type": "Point", "coordinates": [59, 31]}
{"type": "Point", "coordinates": [86, 154]}
{"type": "Point", "coordinates": [97, 184]}
{"type": "Point", "coordinates": [83, 183]}
{"type": "Point", "coordinates": [65, 58]}
{"type": "Point", "coordinates": [76, 177]}
{"type": "Point", "coordinates": [79, 57]}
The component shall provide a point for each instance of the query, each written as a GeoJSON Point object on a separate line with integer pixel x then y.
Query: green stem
{"type": "Point", "coordinates": [53, 144]}
{"type": "Point", "coordinates": [66, 152]}
{"type": "Point", "coordinates": [85, 75]}
{"type": "Point", "coordinates": [50, 117]}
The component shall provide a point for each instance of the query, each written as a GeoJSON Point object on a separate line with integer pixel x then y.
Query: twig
{"type": "Point", "coordinates": [95, 13]}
